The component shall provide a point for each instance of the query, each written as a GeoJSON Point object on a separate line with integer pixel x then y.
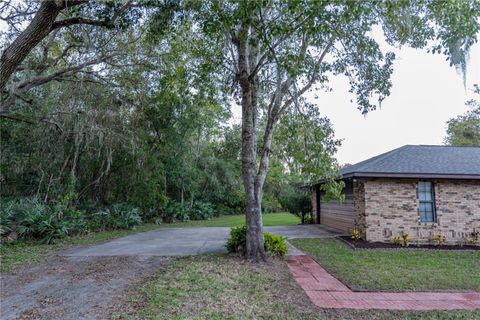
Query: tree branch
{"type": "Point", "coordinates": [37, 81]}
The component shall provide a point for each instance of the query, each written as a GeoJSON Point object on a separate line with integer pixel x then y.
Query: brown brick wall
{"type": "Point", "coordinates": [359, 205]}
{"type": "Point", "coordinates": [314, 204]}
{"type": "Point", "coordinates": [391, 206]}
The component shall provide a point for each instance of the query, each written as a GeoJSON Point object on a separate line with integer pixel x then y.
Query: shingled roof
{"type": "Point", "coordinates": [412, 161]}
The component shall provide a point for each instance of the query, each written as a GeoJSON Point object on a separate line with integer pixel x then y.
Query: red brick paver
{"type": "Point", "coordinates": [326, 291]}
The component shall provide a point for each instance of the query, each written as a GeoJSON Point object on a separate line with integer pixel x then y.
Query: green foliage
{"type": "Point", "coordinates": [464, 130]}
{"type": "Point", "coordinates": [118, 216]}
{"type": "Point", "coordinates": [405, 239]}
{"type": "Point", "coordinates": [274, 244]}
{"type": "Point", "coordinates": [237, 240]}
{"type": "Point", "coordinates": [202, 211]}
{"type": "Point", "coordinates": [396, 240]}
{"type": "Point", "coordinates": [355, 234]}
{"type": "Point", "coordinates": [271, 204]}
{"type": "Point", "coordinates": [297, 202]}
{"type": "Point", "coordinates": [33, 220]}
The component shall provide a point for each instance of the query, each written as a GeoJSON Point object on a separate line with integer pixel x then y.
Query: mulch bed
{"type": "Point", "coordinates": [362, 244]}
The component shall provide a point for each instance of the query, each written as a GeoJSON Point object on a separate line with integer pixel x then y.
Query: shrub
{"type": "Point", "coordinates": [176, 211]}
{"type": "Point", "coordinates": [125, 216]}
{"type": "Point", "coordinates": [475, 237]}
{"type": "Point", "coordinates": [274, 244]}
{"type": "Point", "coordinates": [76, 221]}
{"type": "Point", "coordinates": [396, 240]}
{"type": "Point", "coordinates": [36, 221]}
{"type": "Point", "coordinates": [202, 211]}
{"type": "Point", "coordinates": [237, 240]}
{"type": "Point", "coordinates": [405, 239]}
{"type": "Point", "coordinates": [297, 203]}
{"type": "Point", "coordinates": [6, 217]}
{"type": "Point", "coordinates": [31, 219]}
{"type": "Point", "coordinates": [118, 216]}
{"type": "Point", "coordinates": [439, 239]}
{"type": "Point", "coordinates": [355, 234]}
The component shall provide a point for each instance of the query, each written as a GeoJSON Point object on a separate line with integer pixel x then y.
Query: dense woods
{"type": "Point", "coordinates": [126, 107]}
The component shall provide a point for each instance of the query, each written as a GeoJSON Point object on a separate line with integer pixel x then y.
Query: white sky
{"type": "Point", "coordinates": [426, 92]}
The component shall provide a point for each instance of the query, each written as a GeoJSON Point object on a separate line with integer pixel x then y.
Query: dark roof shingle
{"type": "Point", "coordinates": [422, 160]}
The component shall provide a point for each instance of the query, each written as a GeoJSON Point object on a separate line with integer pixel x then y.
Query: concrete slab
{"type": "Point", "coordinates": [186, 241]}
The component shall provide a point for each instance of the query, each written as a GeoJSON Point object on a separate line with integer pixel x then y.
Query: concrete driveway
{"type": "Point", "coordinates": [186, 241]}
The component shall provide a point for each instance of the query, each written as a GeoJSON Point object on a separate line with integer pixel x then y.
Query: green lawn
{"type": "Point", "coordinates": [269, 219]}
{"type": "Point", "coordinates": [227, 287]}
{"type": "Point", "coordinates": [396, 269]}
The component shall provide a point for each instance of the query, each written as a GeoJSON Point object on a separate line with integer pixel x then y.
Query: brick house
{"type": "Point", "coordinates": [422, 190]}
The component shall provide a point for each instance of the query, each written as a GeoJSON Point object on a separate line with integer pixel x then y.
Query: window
{"type": "Point", "coordinates": [426, 198]}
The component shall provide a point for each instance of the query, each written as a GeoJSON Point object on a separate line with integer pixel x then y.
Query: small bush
{"type": "Point", "coordinates": [35, 220]}
{"type": "Point", "coordinates": [405, 239]}
{"type": "Point", "coordinates": [237, 240]}
{"type": "Point", "coordinates": [202, 211]}
{"type": "Point", "coordinates": [439, 239]}
{"type": "Point", "coordinates": [396, 241]}
{"type": "Point", "coordinates": [474, 237]}
{"type": "Point", "coordinates": [175, 211]}
{"type": "Point", "coordinates": [355, 234]}
{"type": "Point", "coordinates": [118, 216]}
{"type": "Point", "coordinates": [274, 244]}
{"type": "Point", "coordinates": [125, 216]}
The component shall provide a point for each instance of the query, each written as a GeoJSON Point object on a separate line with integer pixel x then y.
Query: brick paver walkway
{"type": "Point", "coordinates": [326, 291]}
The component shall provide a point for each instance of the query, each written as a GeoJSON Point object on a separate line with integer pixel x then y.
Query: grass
{"type": "Point", "coordinates": [227, 287]}
{"type": "Point", "coordinates": [18, 253]}
{"type": "Point", "coordinates": [396, 269]}
{"type": "Point", "coordinates": [269, 219]}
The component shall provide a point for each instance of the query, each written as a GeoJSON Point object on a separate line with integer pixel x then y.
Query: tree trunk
{"type": "Point", "coordinates": [38, 29]}
{"type": "Point", "coordinates": [255, 250]}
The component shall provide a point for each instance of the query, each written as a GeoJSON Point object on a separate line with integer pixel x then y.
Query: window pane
{"type": "Point", "coordinates": [421, 186]}
{"type": "Point", "coordinates": [429, 216]}
{"type": "Point", "coordinates": [426, 212]}
{"type": "Point", "coordinates": [425, 196]}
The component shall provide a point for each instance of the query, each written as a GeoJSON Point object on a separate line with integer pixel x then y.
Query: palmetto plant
{"type": "Point", "coordinates": [36, 221]}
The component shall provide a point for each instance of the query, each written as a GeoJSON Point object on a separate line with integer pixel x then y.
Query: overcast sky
{"type": "Point", "coordinates": [426, 93]}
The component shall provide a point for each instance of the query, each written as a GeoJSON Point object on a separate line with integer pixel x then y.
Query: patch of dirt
{"type": "Point", "coordinates": [72, 287]}
{"type": "Point", "coordinates": [362, 244]}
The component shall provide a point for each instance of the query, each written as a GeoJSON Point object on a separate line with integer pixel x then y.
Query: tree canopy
{"type": "Point", "coordinates": [464, 130]}
{"type": "Point", "coordinates": [109, 102]}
